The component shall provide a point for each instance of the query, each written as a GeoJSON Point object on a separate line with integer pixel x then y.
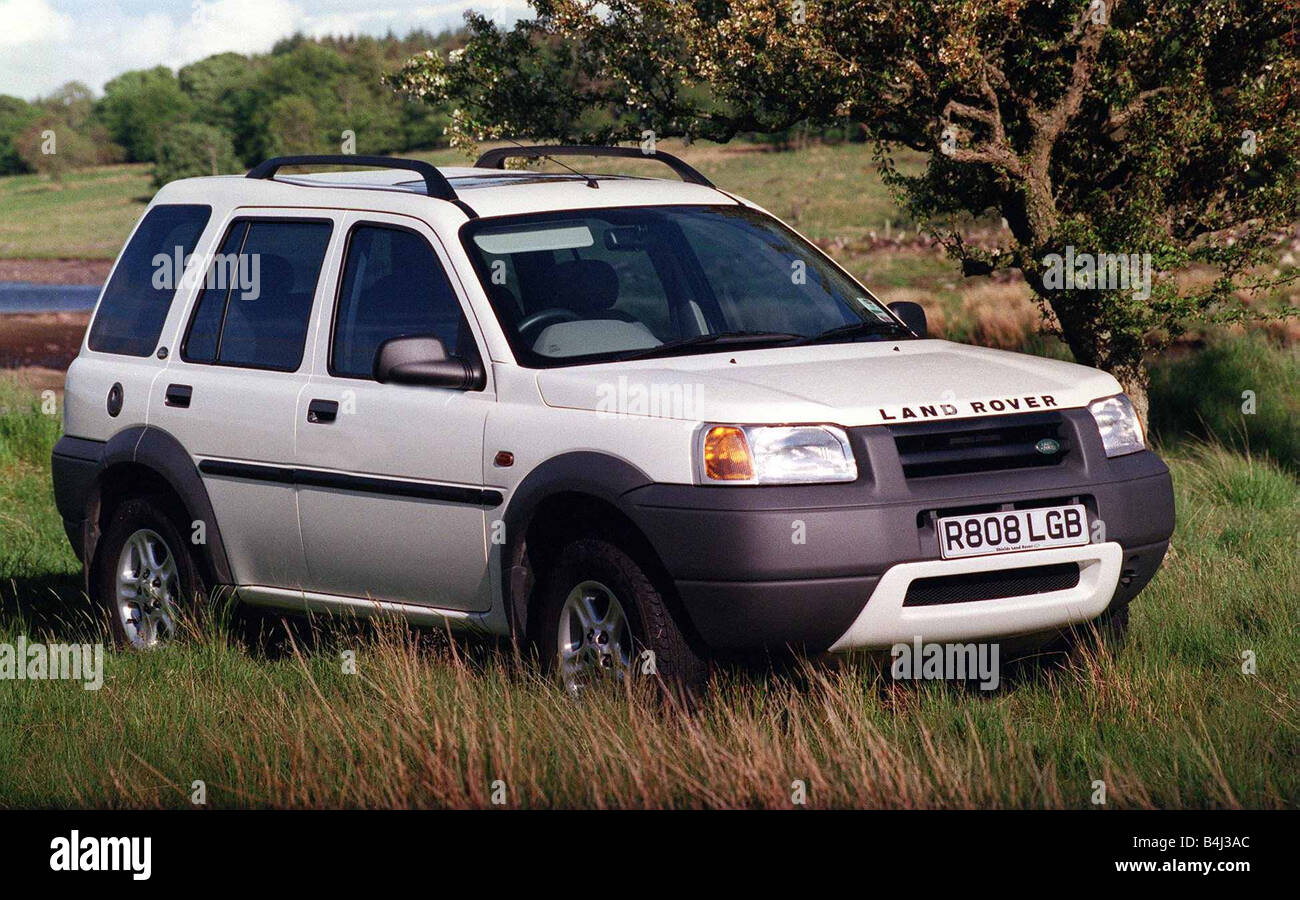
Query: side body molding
{"type": "Point", "coordinates": [78, 469]}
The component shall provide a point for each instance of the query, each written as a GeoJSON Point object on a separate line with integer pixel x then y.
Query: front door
{"type": "Point", "coordinates": [390, 477]}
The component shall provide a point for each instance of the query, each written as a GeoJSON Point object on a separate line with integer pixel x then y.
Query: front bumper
{"type": "Point", "coordinates": [886, 620]}
{"type": "Point", "coordinates": [828, 566]}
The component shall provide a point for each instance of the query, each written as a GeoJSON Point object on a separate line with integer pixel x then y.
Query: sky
{"type": "Point", "coordinates": [45, 43]}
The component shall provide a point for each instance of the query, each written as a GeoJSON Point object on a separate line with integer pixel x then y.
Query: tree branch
{"type": "Point", "coordinates": [1085, 61]}
{"type": "Point", "coordinates": [1118, 120]}
{"type": "Point", "coordinates": [997, 151]}
{"type": "Point", "coordinates": [997, 157]}
{"type": "Point", "coordinates": [988, 117]}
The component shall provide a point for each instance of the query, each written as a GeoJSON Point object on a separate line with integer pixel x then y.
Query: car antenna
{"type": "Point", "coordinates": [591, 182]}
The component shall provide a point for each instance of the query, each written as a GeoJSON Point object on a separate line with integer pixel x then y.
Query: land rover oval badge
{"type": "Point", "coordinates": [1048, 446]}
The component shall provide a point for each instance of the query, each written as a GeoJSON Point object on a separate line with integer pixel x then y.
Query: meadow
{"type": "Point", "coordinates": [265, 715]}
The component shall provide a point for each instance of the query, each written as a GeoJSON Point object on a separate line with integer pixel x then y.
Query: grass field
{"type": "Point", "coordinates": [1171, 722]}
{"type": "Point", "coordinates": [87, 215]}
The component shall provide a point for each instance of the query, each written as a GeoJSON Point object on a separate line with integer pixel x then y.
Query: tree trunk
{"type": "Point", "coordinates": [1125, 363]}
{"type": "Point", "coordinates": [1133, 378]}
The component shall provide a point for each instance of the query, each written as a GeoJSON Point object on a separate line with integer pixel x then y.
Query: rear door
{"type": "Point", "coordinates": [108, 383]}
{"type": "Point", "coordinates": [230, 392]}
{"type": "Point", "coordinates": [390, 492]}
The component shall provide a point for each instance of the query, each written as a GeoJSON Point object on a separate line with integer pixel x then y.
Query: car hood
{"type": "Point", "coordinates": [850, 384]}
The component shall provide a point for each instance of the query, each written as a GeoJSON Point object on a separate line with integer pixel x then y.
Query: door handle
{"type": "Point", "coordinates": [322, 412]}
{"type": "Point", "coordinates": [179, 395]}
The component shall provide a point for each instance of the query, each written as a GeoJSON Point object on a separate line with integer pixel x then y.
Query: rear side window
{"type": "Point", "coordinates": [136, 301]}
{"type": "Point", "coordinates": [256, 301]}
{"type": "Point", "coordinates": [393, 286]}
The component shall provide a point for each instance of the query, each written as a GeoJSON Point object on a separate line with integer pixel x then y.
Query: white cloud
{"type": "Point", "coordinates": [430, 16]}
{"type": "Point", "coordinates": [31, 22]}
{"type": "Point", "coordinates": [244, 26]}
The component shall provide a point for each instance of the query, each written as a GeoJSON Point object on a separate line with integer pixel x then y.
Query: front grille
{"type": "Point", "coordinates": [991, 585]}
{"type": "Point", "coordinates": [979, 445]}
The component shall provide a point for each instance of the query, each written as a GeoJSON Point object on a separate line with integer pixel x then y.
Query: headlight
{"type": "Point", "coordinates": [1121, 432]}
{"type": "Point", "coordinates": [776, 454]}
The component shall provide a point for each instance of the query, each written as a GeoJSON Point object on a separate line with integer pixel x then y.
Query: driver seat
{"type": "Point", "coordinates": [586, 287]}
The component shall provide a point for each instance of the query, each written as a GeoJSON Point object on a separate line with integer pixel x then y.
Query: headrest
{"type": "Point", "coordinates": [586, 286]}
{"type": "Point", "coordinates": [275, 273]}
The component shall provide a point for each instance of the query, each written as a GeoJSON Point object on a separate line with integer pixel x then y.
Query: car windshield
{"type": "Point", "coordinates": [607, 284]}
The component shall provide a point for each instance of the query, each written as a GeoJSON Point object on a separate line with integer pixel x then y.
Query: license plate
{"type": "Point", "coordinates": [1007, 532]}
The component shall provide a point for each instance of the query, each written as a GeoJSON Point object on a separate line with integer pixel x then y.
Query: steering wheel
{"type": "Point", "coordinates": [543, 317]}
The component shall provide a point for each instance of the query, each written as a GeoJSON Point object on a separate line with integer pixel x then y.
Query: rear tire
{"type": "Point", "coordinates": [602, 614]}
{"type": "Point", "coordinates": [145, 576]}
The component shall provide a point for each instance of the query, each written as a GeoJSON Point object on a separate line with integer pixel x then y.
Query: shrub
{"type": "Point", "coordinates": [192, 149]}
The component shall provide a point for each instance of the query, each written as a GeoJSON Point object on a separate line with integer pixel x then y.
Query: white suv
{"type": "Point", "coordinates": [623, 419]}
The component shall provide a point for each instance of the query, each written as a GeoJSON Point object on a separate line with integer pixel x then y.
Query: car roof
{"type": "Point", "coordinates": [487, 192]}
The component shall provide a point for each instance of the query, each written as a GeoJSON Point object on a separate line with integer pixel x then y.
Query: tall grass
{"type": "Point", "coordinates": [32, 544]}
{"type": "Point", "coordinates": [275, 721]}
{"type": "Point", "coordinates": [1203, 394]}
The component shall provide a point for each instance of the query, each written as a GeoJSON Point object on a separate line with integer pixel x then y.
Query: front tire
{"type": "Point", "coordinates": [145, 576]}
{"type": "Point", "coordinates": [603, 617]}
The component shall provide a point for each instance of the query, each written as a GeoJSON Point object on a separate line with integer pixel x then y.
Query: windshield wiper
{"type": "Point", "coordinates": [726, 338]}
{"type": "Point", "coordinates": [855, 328]}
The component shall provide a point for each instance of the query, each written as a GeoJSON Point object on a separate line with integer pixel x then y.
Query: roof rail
{"type": "Point", "coordinates": [496, 159]}
{"type": "Point", "coordinates": [435, 183]}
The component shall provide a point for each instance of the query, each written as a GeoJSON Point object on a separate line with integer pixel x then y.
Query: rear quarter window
{"type": "Point", "coordinates": [135, 303]}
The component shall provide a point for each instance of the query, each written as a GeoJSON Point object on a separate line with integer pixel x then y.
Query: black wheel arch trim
{"type": "Point", "coordinates": [144, 445]}
{"type": "Point", "coordinates": [599, 475]}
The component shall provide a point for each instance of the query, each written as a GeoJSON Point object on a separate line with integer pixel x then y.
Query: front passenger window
{"type": "Point", "coordinates": [393, 286]}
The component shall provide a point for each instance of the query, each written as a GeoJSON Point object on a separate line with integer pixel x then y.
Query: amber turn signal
{"type": "Point", "coordinates": [726, 455]}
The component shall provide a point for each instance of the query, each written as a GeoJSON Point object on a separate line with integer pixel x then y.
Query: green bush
{"type": "Point", "coordinates": [192, 149]}
{"type": "Point", "coordinates": [15, 115]}
{"type": "Point", "coordinates": [1203, 395]}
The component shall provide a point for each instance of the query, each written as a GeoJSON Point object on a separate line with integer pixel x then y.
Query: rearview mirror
{"type": "Point", "coordinates": [424, 360]}
{"type": "Point", "coordinates": [912, 314]}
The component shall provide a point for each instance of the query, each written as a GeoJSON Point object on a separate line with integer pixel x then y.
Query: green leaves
{"type": "Point", "coordinates": [139, 106]}
{"type": "Point", "coordinates": [193, 149]}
